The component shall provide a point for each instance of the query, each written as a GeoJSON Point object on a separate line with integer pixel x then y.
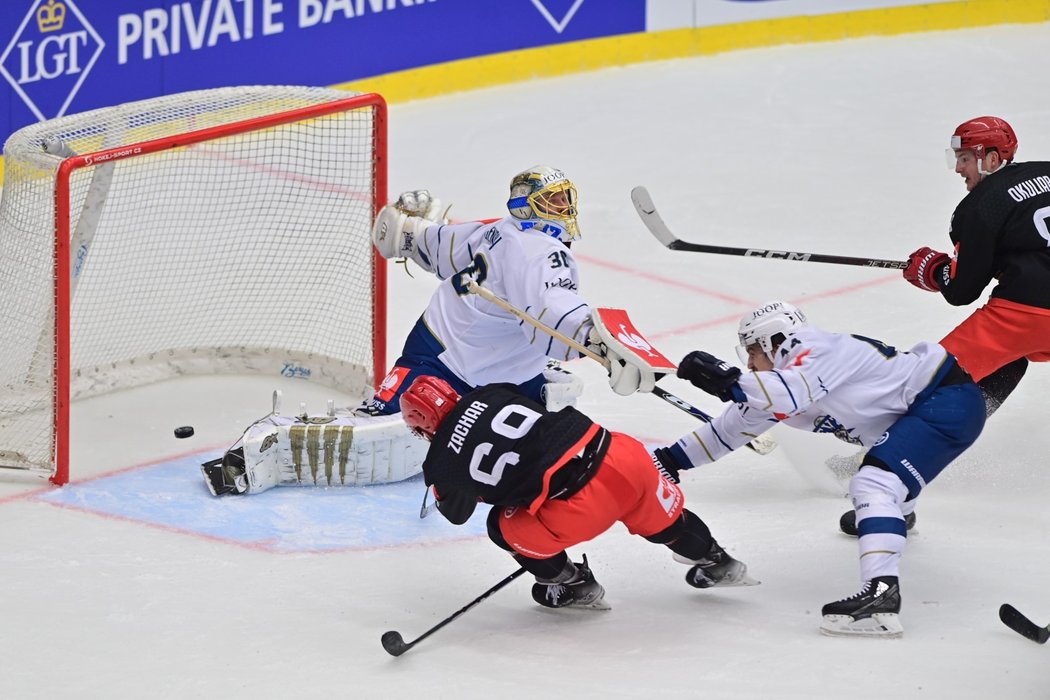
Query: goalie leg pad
{"type": "Point", "coordinates": [331, 450]}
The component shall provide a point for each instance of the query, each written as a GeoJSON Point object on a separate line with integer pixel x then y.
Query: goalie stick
{"type": "Point", "coordinates": [760, 444]}
{"type": "Point", "coordinates": [396, 645]}
{"type": "Point", "coordinates": [1016, 621]}
{"type": "Point", "coordinates": [655, 223]}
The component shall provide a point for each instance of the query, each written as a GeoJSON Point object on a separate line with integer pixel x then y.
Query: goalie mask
{"type": "Point", "coordinates": [426, 404]}
{"type": "Point", "coordinates": [543, 198]}
{"type": "Point", "coordinates": [982, 135]}
{"type": "Point", "coordinates": [768, 326]}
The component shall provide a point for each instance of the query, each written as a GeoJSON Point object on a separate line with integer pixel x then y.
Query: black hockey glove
{"type": "Point", "coordinates": [666, 464]}
{"type": "Point", "coordinates": [707, 372]}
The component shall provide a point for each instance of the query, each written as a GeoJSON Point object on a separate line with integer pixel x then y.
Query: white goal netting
{"type": "Point", "coordinates": [247, 251]}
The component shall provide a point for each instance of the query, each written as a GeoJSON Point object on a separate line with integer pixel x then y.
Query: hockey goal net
{"type": "Point", "coordinates": [219, 231]}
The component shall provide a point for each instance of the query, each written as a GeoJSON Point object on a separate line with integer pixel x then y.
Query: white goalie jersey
{"type": "Point", "coordinates": [850, 386]}
{"type": "Point", "coordinates": [518, 262]}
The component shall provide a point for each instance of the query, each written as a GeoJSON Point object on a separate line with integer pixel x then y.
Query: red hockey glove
{"type": "Point", "coordinates": [925, 267]}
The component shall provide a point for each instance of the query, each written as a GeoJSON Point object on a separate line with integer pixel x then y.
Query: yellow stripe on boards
{"type": "Point", "coordinates": [581, 56]}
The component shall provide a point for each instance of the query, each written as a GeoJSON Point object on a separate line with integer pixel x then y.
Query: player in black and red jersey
{"type": "Point", "coordinates": [555, 479]}
{"type": "Point", "coordinates": [1001, 231]}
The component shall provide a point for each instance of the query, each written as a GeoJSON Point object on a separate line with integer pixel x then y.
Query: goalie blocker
{"type": "Point", "coordinates": [335, 449]}
{"type": "Point", "coordinates": [633, 363]}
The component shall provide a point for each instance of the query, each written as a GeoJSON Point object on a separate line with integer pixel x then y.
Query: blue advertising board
{"type": "Point", "coordinates": [65, 56]}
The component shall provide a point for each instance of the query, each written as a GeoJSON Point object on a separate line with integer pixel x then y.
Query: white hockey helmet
{"type": "Point", "coordinates": [768, 326]}
{"type": "Point", "coordinates": [545, 197]}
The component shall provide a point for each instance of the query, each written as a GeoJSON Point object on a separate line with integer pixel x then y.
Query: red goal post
{"type": "Point", "coordinates": [216, 231]}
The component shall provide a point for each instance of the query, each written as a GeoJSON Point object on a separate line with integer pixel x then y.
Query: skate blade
{"type": "Point", "coordinates": [744, 580]}
{"type": "Point", "coordinates": [880, 625]}
{"type": "Point", "coordinates": [595, 605]}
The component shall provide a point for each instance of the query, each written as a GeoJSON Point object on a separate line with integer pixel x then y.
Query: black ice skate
{"type": "Point", "coordinates": [848, 522]}
{"type": "Point", "coordinates": [580, 591]}
{"type": "Point", "coordinates": [716, 569]}
{"type": "Point", "coordinates": [870, 613]}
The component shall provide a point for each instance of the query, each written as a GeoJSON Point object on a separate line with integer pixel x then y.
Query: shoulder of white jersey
{"type": "Point", "coordinates": [804, 340]}
{"type": "Point", "coordinates": [927, 348]}
{"type": "Point", "coordinates": [530, 243]}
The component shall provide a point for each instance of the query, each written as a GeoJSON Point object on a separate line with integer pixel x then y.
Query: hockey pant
{"type": "Point", "coordinates": [999, 333]}
{"type": "Point", "coordinates": [626, 488]}
{"type": "Point", "coordinates": [943, 421]}
{"type": "Point", "coordinates": [419, 357]}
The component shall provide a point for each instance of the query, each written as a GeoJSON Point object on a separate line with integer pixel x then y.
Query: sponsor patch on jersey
{"type": "Point", "coordinates": [391, 383]}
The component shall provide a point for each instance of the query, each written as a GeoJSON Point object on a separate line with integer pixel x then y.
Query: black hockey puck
{"type": "Point", "coordinates": [184, 431]}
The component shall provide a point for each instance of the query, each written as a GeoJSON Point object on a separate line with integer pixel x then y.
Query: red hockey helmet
{"type": "Point", "coordinates": [983, 134]}
{"type": "Point", "coordinates": [426, 404]}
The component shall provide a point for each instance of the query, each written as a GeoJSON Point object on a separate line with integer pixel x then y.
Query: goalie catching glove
{"type": "Point", "coordinates": [716, 377]}
{"type": "Point", "coordinates": [398, 226]}
{"type": "Point", "coordinates": [633, 364]}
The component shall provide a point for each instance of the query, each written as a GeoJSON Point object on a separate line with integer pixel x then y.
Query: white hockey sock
{"type": "Point", "coordinates": [877, 493]}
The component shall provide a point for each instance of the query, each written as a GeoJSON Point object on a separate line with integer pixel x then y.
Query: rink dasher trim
{"type": "Point", "coordinates": [171, 495]}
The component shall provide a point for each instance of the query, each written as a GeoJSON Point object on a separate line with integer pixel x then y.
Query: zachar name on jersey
{"type": "Point", "coordinates": [1030, 188]}
{"type": "Point", "coordinates": [463, 425]}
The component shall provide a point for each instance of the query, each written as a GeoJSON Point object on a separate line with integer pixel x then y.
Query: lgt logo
{"type": "Point", "coordinates": [50, 55]}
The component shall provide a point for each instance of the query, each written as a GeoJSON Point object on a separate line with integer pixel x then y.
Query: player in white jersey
{"type": "Point", "coordinates": [524, 258]}
{"type": "Point", "coordinates": [915, 411]}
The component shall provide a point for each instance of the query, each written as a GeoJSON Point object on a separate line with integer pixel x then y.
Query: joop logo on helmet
{"type": "Point", "coordinates": [767, 309]}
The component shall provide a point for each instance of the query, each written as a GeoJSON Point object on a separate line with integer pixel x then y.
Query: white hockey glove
{"type": "Point", "coordinates": [625, 376]}
{"type": "Point", "coordinates": [420, 203]}
{"type": "Point", "coordinates": [562, 387]}
{"type": "Point", "coordinates": [398, 226]}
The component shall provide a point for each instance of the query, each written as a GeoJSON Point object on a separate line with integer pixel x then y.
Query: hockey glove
{"type": "Point", "coordinates": [926, 269]}
{"type": "Point", "coordinates": [561, 388]}
{"type": "Point", "coordinates": [707, 372]}
{"type": "Point", "coordinates": [666, 464]}
{"type": "Point", "coordinates": [420, 203]}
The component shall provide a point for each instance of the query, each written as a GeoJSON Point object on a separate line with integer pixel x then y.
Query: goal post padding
{"type": "Point", "coordinates": [217, 231]}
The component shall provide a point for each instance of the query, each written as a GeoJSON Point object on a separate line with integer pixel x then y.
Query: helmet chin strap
{"type": "Point", "coordinates": [984, 173]}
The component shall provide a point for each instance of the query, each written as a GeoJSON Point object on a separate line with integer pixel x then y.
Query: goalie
{"type": "Point", "coordinates": [525, 258]}
{"type": "Point", "coordinates": [465, 340]}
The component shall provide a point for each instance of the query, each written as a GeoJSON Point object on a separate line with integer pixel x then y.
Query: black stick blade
{"type": "Point", "coordinates": [1013, 619]}
{"type": "Point", "coordinates": [394, 643]}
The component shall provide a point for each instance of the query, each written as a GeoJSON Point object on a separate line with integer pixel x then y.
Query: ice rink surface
{"type": "Point", "coordinates": [132, 582]}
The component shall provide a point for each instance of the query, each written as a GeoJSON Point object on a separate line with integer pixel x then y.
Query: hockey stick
{"type": "Point", "coordinates": [396, 645]}
{"type": "Point", "coordinates": [762, 445]}
{"type": "Point", "coordinates": [427, 508]}
{"type": "Point", "coordinates": [655, 223]}
{"type": "Point", "coordinates": [1013, 619]}
{"type": "Point", "coordinates": [94, 203]}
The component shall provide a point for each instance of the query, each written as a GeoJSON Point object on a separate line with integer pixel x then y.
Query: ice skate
{"type": "Point", "coordinates": [717, 569]}
{"type": "Point", "coordinates": [870, 613]}
{"type": "Point", "coordinates": [580, 591]}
